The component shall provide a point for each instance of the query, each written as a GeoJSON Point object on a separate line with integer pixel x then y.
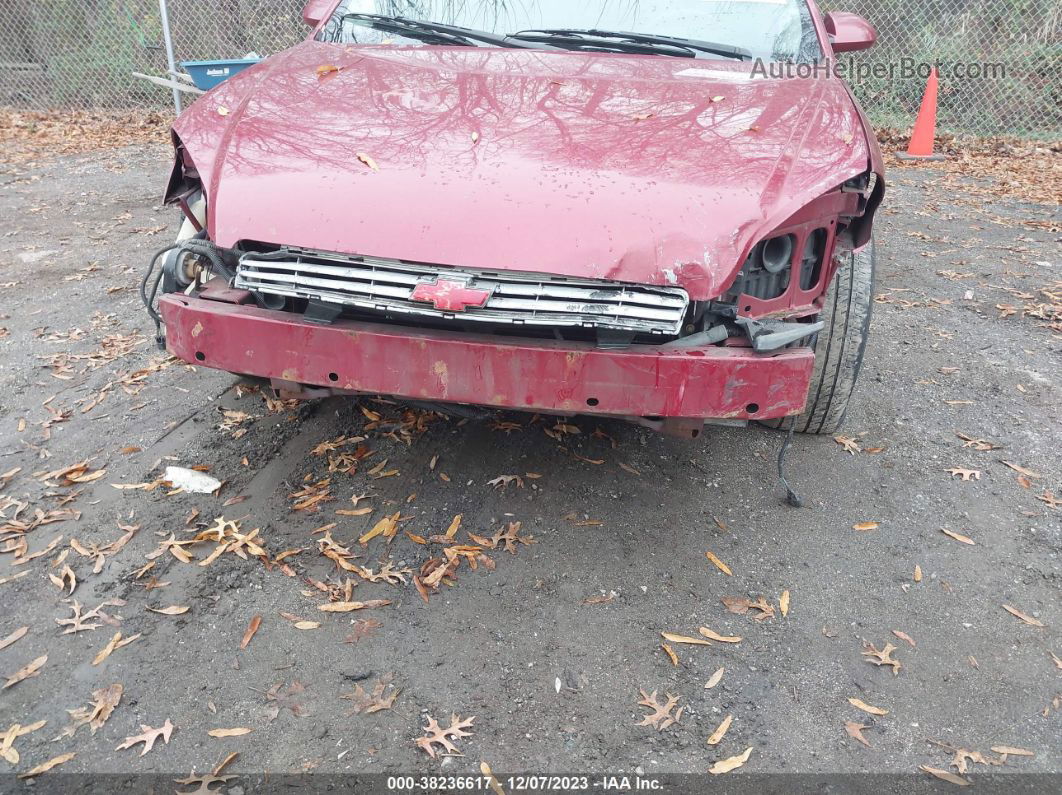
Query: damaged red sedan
{"type": "Point", "coordinates": [600, 208]}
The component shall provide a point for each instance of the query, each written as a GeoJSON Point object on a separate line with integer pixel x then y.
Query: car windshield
{"type": "Point", "coordinates": [774, 30]}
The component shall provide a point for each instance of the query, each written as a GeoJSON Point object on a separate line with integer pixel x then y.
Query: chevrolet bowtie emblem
{"type": "Point", "coordinates": [449, 296]}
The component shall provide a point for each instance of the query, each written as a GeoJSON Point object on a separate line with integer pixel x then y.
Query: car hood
{"type": "Point", "coordinates": [655, 170]}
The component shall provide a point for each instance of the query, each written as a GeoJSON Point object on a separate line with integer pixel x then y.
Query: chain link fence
{"type": "Point", "coordinates": [1000, 60]}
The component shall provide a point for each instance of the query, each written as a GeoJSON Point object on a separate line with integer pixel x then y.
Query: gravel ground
{"type": "Point", "coordinates": [549, 647]}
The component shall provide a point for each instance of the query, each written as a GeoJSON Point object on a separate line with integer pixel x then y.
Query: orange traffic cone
{"type": "Point", "coordinates": [925, 126]}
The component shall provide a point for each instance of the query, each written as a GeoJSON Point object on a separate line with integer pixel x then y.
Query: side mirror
{"type": "Point", "coordinates": [849, 32]}
{"type": "Point", "coordinates": [316, 10]}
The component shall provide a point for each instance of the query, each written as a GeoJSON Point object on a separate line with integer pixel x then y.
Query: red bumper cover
{"type": "Point", "coordinates": [568, 377]}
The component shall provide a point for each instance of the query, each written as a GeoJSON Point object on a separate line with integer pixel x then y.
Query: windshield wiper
{"type": "Point", "coordinates": [436, 31]}
{"type": "Point", "coordinates": [632, 42]}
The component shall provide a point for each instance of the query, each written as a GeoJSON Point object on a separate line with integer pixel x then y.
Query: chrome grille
{"type": "Point", "coordinates": [387, 286]}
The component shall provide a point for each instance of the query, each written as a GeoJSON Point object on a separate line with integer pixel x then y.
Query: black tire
{"type": "Point", "coordinates": [839, 347]}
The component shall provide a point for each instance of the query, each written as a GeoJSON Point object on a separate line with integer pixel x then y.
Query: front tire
{"type": "Point", "coordinates": [840, 346]}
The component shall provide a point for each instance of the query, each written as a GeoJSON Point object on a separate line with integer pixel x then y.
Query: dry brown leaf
{"type": "Point", "coordinates": [306, 625]}
{"type": "Point", "coordinates": [718, 564]}
{"type": "Point", "coordinates": [917, 573]}
{"type": "Point", "coordinates": [44, 767]}
{"type": "Point", "coordinates": [113, 645]}
{"type": "Point", "coordinates": [347, 607]}
{"type": "Point", "coordinates": [716, 636]}
{"type": "Point", "coordinates": [864, 526]}
{"type": "Point", "coordinates": [173, 610]}
{"type": "Point", "coordinates": [957, 536]}
{"type": "Point", "coordinates": [904, 636]}
{"type": "Point", "coordinates": [17, 635]}
{"type": "Point", "coordinates": [455, 525]}
{"type": "Point", "coordinates": [7, 740]}
{"type": "Point", "coordinates": [436, 735]}
{"type": "Point", "coordinates": [1033, 622]}
{"type": "Point", "coordinates": [670, 653]}
{"type": "Point", "coordinates": [783, 604]}
{"type": "Point", "coordinates": [66, 579]}
{"type": "Point", "coordinates": [964, 474]}
{"type": "Point", "coordinates": [945, 775]}
{"type": "Point", "coordinates": [326, 69]}
{"type": "Point", "coordinates": [660, 717]}
{"type": "Point", "coordinates": [717, 736]}
{"type": "Point", "coordinates": [363, 628]}
{"type": "Point", "coordinates": [252, 628]}
{"type": "Point", "coordinates": [741, 606]}
{"type": "Point", "coordinates": [104, 702]}
{"type": "Point", "coordinates": [714, 679]}
{"type": "Point", "coordinates": [26, 672]}
{"type": "Point", "coordinates": [220, 733]}
{"type": "Point", "coordinates": [364, 158]}
{"type": "Point", "coordinates": [883, 657]}
{"type": "Point", "coordinates": [385, 527]}
{"type": "Point", "coordinates": [855, 702]}
{"type": "Point", "coordinates": [671, 636]}
{"type": "Point", "coordinates": [732, 762]}
{"type": "Point", "coordinates": [1021, 470]}
{"type": "Point", "coordinates": [492, 782]}
{"type": "Point", "coordinates": [855, 731]}
{"type": "Point", "coordinates": [1009, 750]}
{"type": "Point", "coordinates": [378, 700]}
{"type": "Point", "coordinates": [148, 736]}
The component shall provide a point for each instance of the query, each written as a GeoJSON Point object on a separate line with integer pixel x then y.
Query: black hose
{"type": "Point", "coordinates": [792, 499]}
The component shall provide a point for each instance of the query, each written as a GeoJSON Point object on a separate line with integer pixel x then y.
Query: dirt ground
{"type": "Point", "coordinates": [955, 456]}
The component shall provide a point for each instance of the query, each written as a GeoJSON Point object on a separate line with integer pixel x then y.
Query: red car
{"type": "Point", "coordinates": [656, 211]}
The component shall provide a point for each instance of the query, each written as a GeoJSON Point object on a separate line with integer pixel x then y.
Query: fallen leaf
{"type": "Point", "coordinates": [670, 653]}
{"type": "Point", "coordinates": [326, 69]}
{"type": "Point", "coordinates": [716, 737]}
{"type": "Point", "coordinates": [492, 782]}
{"type": "Point", "coordinates": [1020, 470]}
{"type": "Point", "coordinates": [46, 766]}
{"type": "Point", "coordinates": [26, 672]}
{"type": "Point", "coordinates": [660, 718]}
{"type": "Point", "coordinates": [364, 158]}
{"type": "Point", "coordinates": [104, 702]}
{"type": "Point", "coordinates": [714, 679]}
{"type": "Point", "coordinates": [376, 701]}
{"type": "Point", "coordinates": [904, 636]}
{"type": "Point", "coordinates": [385, 527]}
{"type": "Point", "coordinates": [306, 625]}
{"type": "Point", "coordinates": [863, 526]}
{"type": "Point", "coordinates": [18, 634]}
{"type": "Point", "coordinates": [346, 607]}
{"type": "Point", "coordinates": [917, 573]}
{"type": "Point", "coordinates": [1011, 751]}
{"type": "Point", "coordinates": [173, 610]}
{"type": "Point", "coordinates": [219, 733]}
{"type": "Point", "coordinates": [1022, 616]}
{"type": "Point", "coordinates": [957, 536]}
{"type": "Point", "coordinates": [252, 628]}
{"type": "Point", "coordinates": [849, 444]}
{"type": "Point", "coordinates": [148, 737]}
{"type": "Point", "coordinates": [741, 606]}
{"type": "Point", "coordinates": [733, 762]}
{"type": "Point", "coordinates": [783, 604]}
{"type": "Point", "coordinates": [719, 564]}
{"type": "Point", "coordinates": [855, 702]}
{"type": "Point", "coordinates": [684, 639]}
{"type": "Point", "coordinates": [223, 111]}
{"type": "Point", "coordinates": [855, 731]}
{"type": "Point", "coordinates": [436, 735]}
{"type": "Point", "coordinates": [113, 645]}
{"type": "Point", "coordinates": [964, 474]}
{"type": "Point", "coordinates": [716, 636]}
{"type": "Point", "coordinates": [945, 775]}
{"type": "Point", "coordinates": [883, 657]}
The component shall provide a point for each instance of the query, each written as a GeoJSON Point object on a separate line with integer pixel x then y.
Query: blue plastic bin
{"type": "Point", "coordinates": [207, 74]}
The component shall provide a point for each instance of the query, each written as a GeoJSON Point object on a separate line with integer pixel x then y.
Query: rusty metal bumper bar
{"type": "Point", "coordinates": [563, 377]}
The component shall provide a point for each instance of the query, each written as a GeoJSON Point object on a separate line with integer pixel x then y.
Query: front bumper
{"type": "Point", "coordinates": [547, 376]}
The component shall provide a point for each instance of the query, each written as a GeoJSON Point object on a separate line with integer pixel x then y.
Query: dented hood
{"type": "Point", "coordinates": [656, 170]}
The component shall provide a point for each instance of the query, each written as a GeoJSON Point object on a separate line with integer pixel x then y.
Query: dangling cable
{"type": "Point", "coordinates": [792, 499]}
